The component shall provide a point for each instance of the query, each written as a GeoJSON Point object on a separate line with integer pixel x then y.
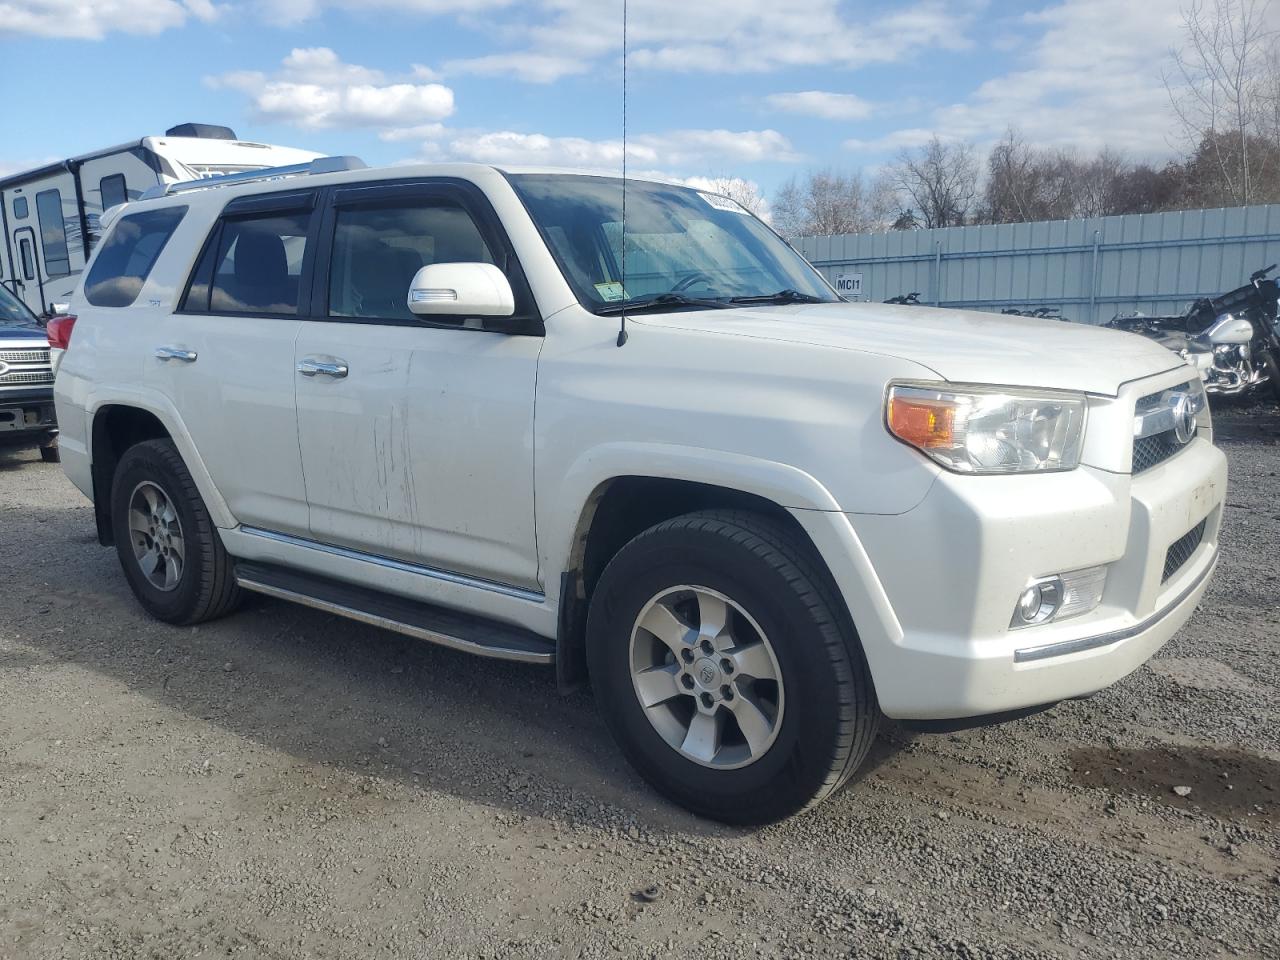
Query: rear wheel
{"type": "Point", "coordinates": [168, 547]}
{"type": "Point", "coordinates": [726, 670]}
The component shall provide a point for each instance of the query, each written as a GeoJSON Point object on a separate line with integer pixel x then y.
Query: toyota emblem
{"type": "Point", "coordinates": [1184, 417]}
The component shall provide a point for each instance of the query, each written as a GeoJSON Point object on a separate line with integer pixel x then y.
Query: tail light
{"type": "Point", "coordinates": [59, 330]}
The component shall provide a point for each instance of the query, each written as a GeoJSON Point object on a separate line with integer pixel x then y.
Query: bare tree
{"type": "Point", "coordinates": [824, 203]}
{"type": "Point", "coordinates": [941, 181]}
{"type": "Point", "coordinates": [1223, 89]}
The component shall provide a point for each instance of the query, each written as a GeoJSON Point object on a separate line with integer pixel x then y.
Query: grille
{"type": "Point", "coordinates": [25, 356]}
{"type": "Point", "coordinates": [1149, 451]}
{"type": "Point", "coordinates": [25, 376]}
{"type": "Point", "coordinates": [1182, 549]}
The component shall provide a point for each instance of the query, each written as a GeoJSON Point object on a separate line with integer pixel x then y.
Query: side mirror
{"type": "Point", "coordinates": [467, 289]}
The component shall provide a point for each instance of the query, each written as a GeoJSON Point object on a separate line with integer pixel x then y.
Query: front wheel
{"type": "Point", "coordinates": [726, 669]}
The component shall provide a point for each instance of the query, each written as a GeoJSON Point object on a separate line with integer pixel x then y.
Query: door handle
{"type": "Point", "coordinates": [311, 367]}
{"type": "Point", "coordinates": [175, 353]}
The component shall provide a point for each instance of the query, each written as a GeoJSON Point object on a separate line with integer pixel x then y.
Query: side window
{"type": "Point", "coordinates": [256, 268]}
{"type": "Point", "coordinates": [53, 233]}
{"type": "Point", "coordinates": [377, 249]}
{"type": "Point", "coordinates": [126, 258]}
{"type": "Point", "coordinates": [113, 190]}
{"type": "Point", "coordinates": [20, 208]}
{"type": "Point", "coordinates": [27, 255]}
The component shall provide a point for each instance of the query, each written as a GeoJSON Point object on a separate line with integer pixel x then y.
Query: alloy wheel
{"type": "Point", "coordinates": [706, 677]}
{"type": "Point", "coordinates": [156, 535]}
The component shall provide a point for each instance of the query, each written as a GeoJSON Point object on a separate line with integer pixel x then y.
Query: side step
{"type": "Point", "coordinates": [449, 628]}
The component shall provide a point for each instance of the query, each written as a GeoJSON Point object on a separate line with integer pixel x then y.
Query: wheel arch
{"type": "Point", "coordinates": [618, 507]}
{"type": "Point", "coordinates": [116, 425]}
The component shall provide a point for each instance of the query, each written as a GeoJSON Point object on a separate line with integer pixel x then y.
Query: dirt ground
{"type": "Point", "coordinates": [284, 784]}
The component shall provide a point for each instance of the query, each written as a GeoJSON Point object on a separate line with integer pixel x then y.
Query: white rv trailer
{"type": "Point", "coordinates": [50, 215]}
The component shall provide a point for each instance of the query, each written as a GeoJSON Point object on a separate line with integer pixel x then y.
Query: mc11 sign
{"type": "Point", "coordinates": [849, 284]}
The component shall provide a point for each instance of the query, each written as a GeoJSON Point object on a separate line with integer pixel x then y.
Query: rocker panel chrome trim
{"type": "Point", "coordinates": [445, 576]}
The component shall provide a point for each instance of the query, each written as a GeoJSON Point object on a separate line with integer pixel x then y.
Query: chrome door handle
{"type": "Point", "coordinates": [175, 353]}
{"type": "Point", "coordinates": [324, 368]}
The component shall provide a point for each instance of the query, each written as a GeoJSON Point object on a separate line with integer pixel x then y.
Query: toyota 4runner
{"type": "Point", "coordinates": [483, 407]}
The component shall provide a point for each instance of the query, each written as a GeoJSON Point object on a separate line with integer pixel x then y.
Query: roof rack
{"type": "Point", "coordinates": [312, 167]}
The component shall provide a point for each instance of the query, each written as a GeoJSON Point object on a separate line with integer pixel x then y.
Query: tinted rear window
{"type": "Point", "coordinates": [127, 256]}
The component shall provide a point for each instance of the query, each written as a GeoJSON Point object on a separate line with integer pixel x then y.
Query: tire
{"type": "Point", "coordinates": [50, 453]}
{"type": "Point", "coordinates": [203, 583]}
{"type": "Point", "coordinates": [823, 710]}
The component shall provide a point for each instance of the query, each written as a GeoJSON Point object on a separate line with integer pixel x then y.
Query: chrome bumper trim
{"type": "Point", "coordinates": [1028, 654]}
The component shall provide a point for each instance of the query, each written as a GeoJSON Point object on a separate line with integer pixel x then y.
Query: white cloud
{"type": "Point", "coordinates": [820, 103]}
{"type": "Point", "coordinates": [292, 12]}
{"type": "Point", "coordinates": [897, 140]}
{"type": "Point", "coordinates": [1089, 76]}
{"type": "Point", "coordinates": [315, 89]}
{"type": "Point", "coordinates": [672, 149]}
{"type": "Point", "coordinates": [530, 67]}
{"type": "Point", "coordinates": [92, 21]}
{"type": "Point", "coordinates": [426, 131]}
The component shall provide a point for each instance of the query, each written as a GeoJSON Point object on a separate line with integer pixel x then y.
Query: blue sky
{"type": "Point", "coordinates": [759, 89]}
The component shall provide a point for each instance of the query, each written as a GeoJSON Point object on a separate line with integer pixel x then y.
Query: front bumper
{"type": "Point", "coordinates": [932, 591]}
{"type": "Point", "coordinates": [26, 418]}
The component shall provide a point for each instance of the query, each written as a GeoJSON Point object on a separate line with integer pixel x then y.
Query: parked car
{"type": "Point", "coordinates": [448, 401]}
{"type": "Point", "coordinates": [26, 381]}
{"type": "Point", "coordinates": [51, 214]}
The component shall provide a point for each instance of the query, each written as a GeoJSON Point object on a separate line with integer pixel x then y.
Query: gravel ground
{"type": "Point", "coordinates": [284, 784]}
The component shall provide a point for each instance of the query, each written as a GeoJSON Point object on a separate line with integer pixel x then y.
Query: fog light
{"type": "Point", "coordinates": [1038, 602]}
{"type": "Point", "coordinates": [1058, 597]}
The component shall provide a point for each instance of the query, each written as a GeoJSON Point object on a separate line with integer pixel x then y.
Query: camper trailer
{"type": "Point", "coordinates": [51, 215]}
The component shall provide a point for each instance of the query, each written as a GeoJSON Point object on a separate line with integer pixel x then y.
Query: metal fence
{"type": "Point", "coordinates": [1089, 269]}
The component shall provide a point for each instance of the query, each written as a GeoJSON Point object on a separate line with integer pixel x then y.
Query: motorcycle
{"type": "Point", "coordinates": [1232, 340]}
{"type": "Point", "coordinates": [1039, 313]}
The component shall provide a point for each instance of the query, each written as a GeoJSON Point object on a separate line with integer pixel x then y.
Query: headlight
{"type": "Point", "coordinates": [976, 429]}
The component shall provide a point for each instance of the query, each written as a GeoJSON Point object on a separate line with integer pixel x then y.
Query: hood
{"type": "Point", "coordinates": [963, 346]}
{"type": "Point", "coordinates": [10, 332]}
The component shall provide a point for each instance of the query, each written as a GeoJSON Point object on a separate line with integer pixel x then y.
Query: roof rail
{"type": "Point", "coordinates": [316, 166]}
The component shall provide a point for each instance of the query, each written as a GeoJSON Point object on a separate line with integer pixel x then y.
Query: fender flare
{"type": "Point", "coordinates": [163, 409]}
{"type": "Point", "coordinates": [589, 475]}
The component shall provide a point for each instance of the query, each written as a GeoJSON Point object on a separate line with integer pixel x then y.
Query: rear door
{"type": "Point", "coordinates": [227, 355]}
{"type": "Point", "coordinates": [416, 437]}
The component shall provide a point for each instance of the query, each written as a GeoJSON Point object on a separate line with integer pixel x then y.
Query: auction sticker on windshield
{"type": "Point", "coordinates": [722, 203]}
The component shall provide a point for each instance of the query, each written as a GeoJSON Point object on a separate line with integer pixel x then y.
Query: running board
{"type": "Point", "coordinates": [449, 628]}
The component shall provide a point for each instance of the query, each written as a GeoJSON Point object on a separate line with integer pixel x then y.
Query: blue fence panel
{"type": "Point", "coordinates": [1089, 269]}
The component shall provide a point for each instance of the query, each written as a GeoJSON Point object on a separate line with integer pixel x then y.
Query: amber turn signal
{"type": "Point", "coordinates": [926, 424]}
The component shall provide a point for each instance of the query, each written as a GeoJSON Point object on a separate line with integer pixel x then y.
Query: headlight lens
{"type": "Point", "coordinates": [976, 429]}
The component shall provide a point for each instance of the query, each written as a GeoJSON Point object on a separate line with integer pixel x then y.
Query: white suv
{"type": "Point", "coordinates": [757, 517]}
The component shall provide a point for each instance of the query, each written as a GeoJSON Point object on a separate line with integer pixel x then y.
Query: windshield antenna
{"type": "Point", "coordinates": [622, 330]}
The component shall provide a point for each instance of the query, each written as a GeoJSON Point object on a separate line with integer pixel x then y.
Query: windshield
{"type": "Point", "coordinates": [684, 247]}
{"type": "Point", "coordinates": [13, 312]}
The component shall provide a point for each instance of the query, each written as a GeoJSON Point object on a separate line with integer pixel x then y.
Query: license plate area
{"type": "Point", "coordinates": [19, 418]}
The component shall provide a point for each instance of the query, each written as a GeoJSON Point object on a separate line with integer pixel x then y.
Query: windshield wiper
{"type": "Point", "coordinates": [782, 296]}
{"type": "Point", "coordinates": [659, 302]}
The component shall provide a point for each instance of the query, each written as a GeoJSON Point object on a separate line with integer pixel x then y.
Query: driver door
{"type": "Point", "coordinates": [416, 436]}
